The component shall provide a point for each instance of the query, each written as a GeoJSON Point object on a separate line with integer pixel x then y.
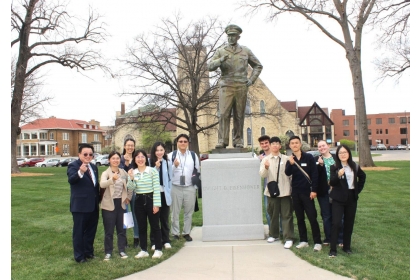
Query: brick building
{"type": "Point", "coordinates": [385, 128]}
{"type": "Point", "coordinates": [58, 137]}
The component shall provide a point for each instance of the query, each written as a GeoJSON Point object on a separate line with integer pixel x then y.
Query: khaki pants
{"type": "Point", "coordinates": [182, 196]}
{"type": "Point", "coordinates": [281, 206]}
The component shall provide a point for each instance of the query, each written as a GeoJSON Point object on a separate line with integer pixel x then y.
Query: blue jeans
{"type": "Point", "coordinates": [325, 206]}
{"type": "Point", "coordinates": [136, 227]}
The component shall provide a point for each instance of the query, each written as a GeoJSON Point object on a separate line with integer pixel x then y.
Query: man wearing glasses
{"type": "Point", "coordinates": [84, 203]}
{"type": "Point", "coordinates": [183, 192]}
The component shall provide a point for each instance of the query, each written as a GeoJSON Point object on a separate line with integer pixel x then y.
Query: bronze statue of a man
{"type": "Point", "coordinates": [233, 61]}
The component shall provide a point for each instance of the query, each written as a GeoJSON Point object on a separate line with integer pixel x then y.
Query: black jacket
{"type": "Point", "coordinates": [339, 191]}
{"type": "Point", "coordinates": [299, 182]}
{"type": "Point", "coordinates": [323, 186]}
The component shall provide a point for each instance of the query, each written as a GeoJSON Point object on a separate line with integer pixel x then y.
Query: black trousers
{"type": "Point", "coordinates": [84, 231]}
{"type": "Point", "coordinates": [302, 204]}
{"type": "Point", "coordinates": [144, 212]}
{"type": "Point", "coordinates": [348, 209]}
{"type": "Point", "coordinates": [164, 221]}
{"type": "Point", "coordinates": [114, 219]}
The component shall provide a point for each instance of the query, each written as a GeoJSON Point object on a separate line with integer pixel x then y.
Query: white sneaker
{"type": "Point", "coordinates": [153, 247]}
{"type": "Point", "coordinates": [167, 246]}
{"type": "Point", "coordinates": [302, 245]}
{"type": "Point", "coordinates": [157, 254]}
{"type": "Point", "coordinates": [272, 239]}
{"type": "Point", "coordinates": [142, 254]}
{"type": "Point", "coordinates": [107, 257]}
{"type": "Point", "coordinates": [317, 247]}
{"type": "Point", "coordinates": [288, 244]}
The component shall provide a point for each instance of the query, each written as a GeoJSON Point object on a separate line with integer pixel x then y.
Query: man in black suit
{"type": "Point", "coordinates": [84, 202]}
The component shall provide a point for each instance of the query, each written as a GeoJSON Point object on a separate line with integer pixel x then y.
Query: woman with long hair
{"type": "Point", "coordinates": [144, 180]}
{"type": "Point", "coordinates": [127, 164]}
{"type": "Point", "coordinates": [347, 180]}
{"type": "Point", "coordinates": [159, 160]}
{"type": "Point", "coordinates": [115, 200]}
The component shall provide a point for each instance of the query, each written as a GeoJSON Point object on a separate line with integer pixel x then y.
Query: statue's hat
{"type": "Point", "coordinates": [233, 29]}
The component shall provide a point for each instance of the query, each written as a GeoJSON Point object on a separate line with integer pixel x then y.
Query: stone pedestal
{"type": "Point", "coordinates": [232, 197]}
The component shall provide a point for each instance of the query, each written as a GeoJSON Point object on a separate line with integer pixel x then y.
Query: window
{"type": "Point", "coordinates": [84, 126]}
{"type": "Point", "coordinates": [404, 141]}
{"type": "Point", "coordinates": [97, 148]}
{"type": "Point", "coordinates": [96, 137]}
{"type": "Point", "coordinates": [51, 135]}
{"type": "Point", "coordinates": [248, 136]}
{"type": "Point", "coordinates": [379, 121]}
{"type": "Point", "coordinates": [369, 131]}
{"type": "Point", "coordinates": [262, 131]}
{"type": "Point", "coordinates": [368, 121]}
{"type": "Point", "coordinates": [34, 135]}
{"type": "Point", "coordinates": [66, 149]}
{"type": "Point", "coordinates": [43, 135]}
{"type": "Point", "coordinates": [386, 141]}
{"type": "Point", "coordinates": [26, 136]}
{"type": "Point", "coordinates": [248, 107]}
{"type": "Point", "coordinates": [403, 130]}
{"type": "Point", "coordinates": [391, 120]}
{"type": "Point", "coordinates": [403, 120]}
{"type": "Point", "coordinates": [355, 132]}
{"type": "Point", "coordinates": [84, 138]}
{"type": "Point", "coordinates": [262, 107]}
{"type": "Point", "coordinates": [346, 133]}
{"type": "Point", "coordinates": [379, 131]}
{"type": "Point", "coordinates": [345, 122]}
{"type": "Point", "coordinates": [386, 131]}
{"type": "Point", "coordinates": [65, 136]}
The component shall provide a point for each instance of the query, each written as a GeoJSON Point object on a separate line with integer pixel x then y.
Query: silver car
{"type": "Point", "coordinates": [48, 162]}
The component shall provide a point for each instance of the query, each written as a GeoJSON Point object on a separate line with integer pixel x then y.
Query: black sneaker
{"type": "Point", "coordinates": [176, 237]}
{"type": "Point", "coordinates": [188, 237]}
{"type": "Point", "coordinates": [332, 254]}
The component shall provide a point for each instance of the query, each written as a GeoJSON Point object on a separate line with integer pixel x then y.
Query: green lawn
{"type": "Point", "coordinates": [42, 224]}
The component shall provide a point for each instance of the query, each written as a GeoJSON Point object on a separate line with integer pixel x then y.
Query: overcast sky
{"type": "Point", "coordinates": [300, 63]}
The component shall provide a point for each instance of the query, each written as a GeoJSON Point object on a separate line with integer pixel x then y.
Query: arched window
{"type": "Point", "coordinates": [248, 107]}
{"type": "Point", "coordinates": [248, 136]}
{"type": "Point", "coordinates": [262, 131]}
{"type": "Point", "coordinates": [290, 133]}
{"type": "Point", "coordinates": [262, 107]}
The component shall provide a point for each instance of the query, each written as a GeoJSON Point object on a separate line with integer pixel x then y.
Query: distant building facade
{"type": "Point", "coordinates": [58, 137]}
{"type": "Point", "coordinates": [385, 128]}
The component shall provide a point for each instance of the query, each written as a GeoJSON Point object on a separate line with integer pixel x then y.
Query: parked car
{"type": "Point", "coordinates": [401, 147]}
{"type": "Point", "coordinates": [392, 147]}
{"type": "Point", "coordinates": [47, 163]}
{"type": "Point", "coordinates": [20, 161]}
{"type": "Point", "coordinates": [372, 147]}
{"type": "Point", "coordinates": [31, 162]}
{"type": "Point", "coordinates": [204, 157]}
{"type": "Point", "coordinates": [408, 146]}
{"type": "Point", "coordinates": [381, 147]}
{"type": "Point", "coordinates": [65, 162]}
{"type": "Point", "coordinates": [100, 160]}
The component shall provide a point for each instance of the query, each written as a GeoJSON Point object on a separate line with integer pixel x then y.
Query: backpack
{"type": "Point", "coordinates": [195, 178]}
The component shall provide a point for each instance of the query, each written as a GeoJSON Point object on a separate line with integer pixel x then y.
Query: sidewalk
{"type": "Point", "coordinates": [254, 259]}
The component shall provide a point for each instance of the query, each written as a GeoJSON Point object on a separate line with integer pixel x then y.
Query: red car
{"type": "Point", "coordinates": [31, 162]}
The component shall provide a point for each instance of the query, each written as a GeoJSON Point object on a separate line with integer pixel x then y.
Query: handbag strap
{"type": "Point", "coordinates": [278, 170]}
{"type": "Point", "coordinates": [304, 173]}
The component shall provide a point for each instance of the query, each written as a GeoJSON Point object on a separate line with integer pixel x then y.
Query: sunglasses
{"type": "Point", "coordinates": [181, 141]}
{"type": "Point", "coordinates": [86, 154]}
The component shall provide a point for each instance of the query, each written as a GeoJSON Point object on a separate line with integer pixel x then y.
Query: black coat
{"type": "Point", "coordinates": [340, 186]}
{"type": "Point", "coordinates": [323, 186]}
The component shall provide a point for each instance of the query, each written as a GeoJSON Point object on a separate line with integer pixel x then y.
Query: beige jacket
{"type": "Point", "coordinates": [108, 184]}
{"type": "Point", "coordinates": [284, 181]}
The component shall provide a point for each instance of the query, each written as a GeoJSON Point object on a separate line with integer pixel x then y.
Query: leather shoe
{"type": "Point", "coordinates": [348, 251]}
{"type": "Point", "coordinates": [90, 256]}
{"type": "Point", "coordinates": [82, 261]}
{"type": "Point", "coordinates": [176, 237]}
{"type": "Point", "coordinates": [188, 237]}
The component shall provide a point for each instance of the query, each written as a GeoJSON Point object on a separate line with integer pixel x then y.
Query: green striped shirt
{"type": "Point", "coordinates": [146, 182]}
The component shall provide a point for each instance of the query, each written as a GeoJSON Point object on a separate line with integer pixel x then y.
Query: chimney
{"type": "Point", "coordinates": [122, 108]}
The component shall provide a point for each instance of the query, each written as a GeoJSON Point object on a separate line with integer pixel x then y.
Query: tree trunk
{"type": "Point", "coordinates": [365, 157]}
{"type": "Point", "coordinates": [21, 65]}
{"type": "Point", "coordinates": [193, 146]}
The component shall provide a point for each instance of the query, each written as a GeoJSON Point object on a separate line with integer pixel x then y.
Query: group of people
{"type": "Point", "coordinates": [335, 181]}
{"type": "Point", "coordinates": [153, 188]}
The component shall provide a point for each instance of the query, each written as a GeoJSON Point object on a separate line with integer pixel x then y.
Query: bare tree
{"type": "Point", "coordinates": [169, 68]}
{"type": "Point", "coordinates": [327, 15]}
{"type": "Point", "coordinates": [393, 20]}
{"type": "Point", "coordinates": [46, 33]}
{"type": "Point", "coordinates": [33, 99]}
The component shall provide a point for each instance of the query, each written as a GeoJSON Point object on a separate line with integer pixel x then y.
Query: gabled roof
{"type": "Point", "coordinates": [56, 123]}
{"type": "Point", "coordinates": [304, 111]}
{"type": "Point", "coordinates": [290, 106]}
